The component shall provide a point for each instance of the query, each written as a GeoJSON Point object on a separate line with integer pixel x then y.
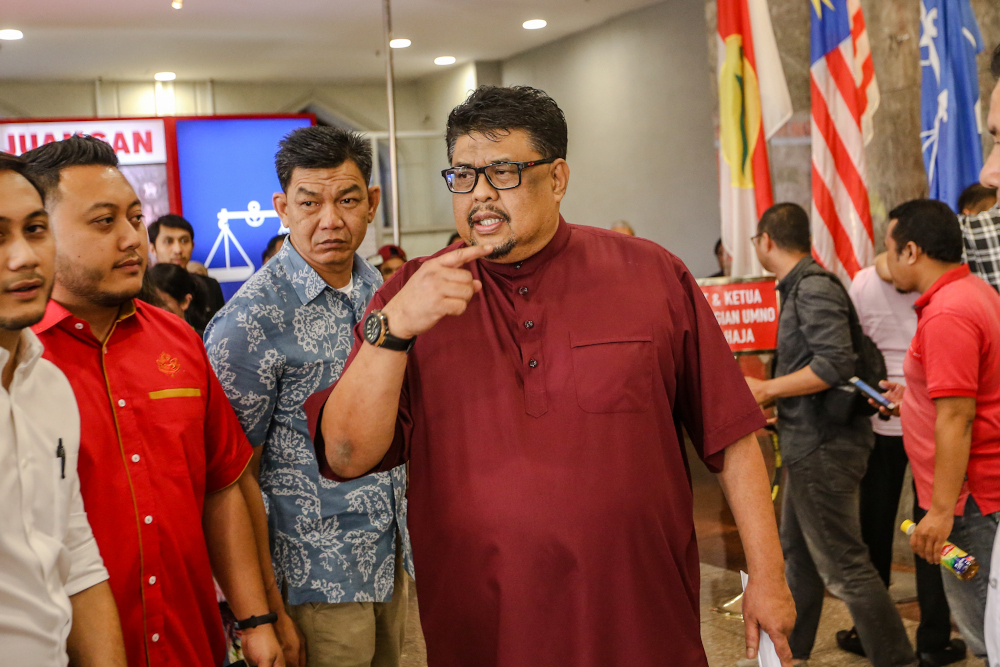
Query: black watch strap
{"type": "Point", "coordinates": [378, 334]}
{"type": "Point", "coordinates": [254, 621]}
{"type": "Point", "coordinates": [397, 344]}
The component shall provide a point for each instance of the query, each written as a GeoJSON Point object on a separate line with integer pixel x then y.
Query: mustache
{"type": "Point", "coordinates": [486, 207]}
{"type": "Point", "coordinates": [132, 255]}
{"type": "Point", "coordinates": [22, 277]}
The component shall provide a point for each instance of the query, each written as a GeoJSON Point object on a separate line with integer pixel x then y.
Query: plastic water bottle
{"type": "Point", "coordinates": [961, 564]}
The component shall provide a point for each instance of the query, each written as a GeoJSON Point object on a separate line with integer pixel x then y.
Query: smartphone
{"type": "Point", "coordinates": [872, 393]}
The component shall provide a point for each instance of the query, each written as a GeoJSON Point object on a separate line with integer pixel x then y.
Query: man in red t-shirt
{"type": "Point", "coordinates": [161, 451]}
{"type": "Point", "coordinates": [951, 400]}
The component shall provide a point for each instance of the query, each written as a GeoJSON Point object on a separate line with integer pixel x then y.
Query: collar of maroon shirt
{"type": "Point", "coordinates": [528, 266]}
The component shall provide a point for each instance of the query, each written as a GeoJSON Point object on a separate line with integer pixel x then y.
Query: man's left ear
{"type": "Point", "coordinates": [560, 177]}
{"type": "Point", "coordinates": [374, 197]}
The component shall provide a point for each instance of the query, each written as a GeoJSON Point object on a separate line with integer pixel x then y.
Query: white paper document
{"type": "Point", "coordinates": [766, 653]}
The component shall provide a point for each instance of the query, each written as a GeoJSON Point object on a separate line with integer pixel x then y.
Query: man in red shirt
{"type": "Point", "coordinates": [951, 403]}
{"type": "Point", "coordinates": [541, 410]}
{"type": "Point", "coordinates": [161, 450]}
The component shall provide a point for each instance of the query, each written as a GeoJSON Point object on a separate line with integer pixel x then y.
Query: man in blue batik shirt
{"type": "Point", "coordinates": [338, 547]}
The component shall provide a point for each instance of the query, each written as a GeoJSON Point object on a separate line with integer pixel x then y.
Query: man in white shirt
{"type": "Point", "coordinates": [55, 602]}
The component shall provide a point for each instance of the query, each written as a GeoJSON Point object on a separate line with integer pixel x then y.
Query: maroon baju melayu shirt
{"type": "Point", "coordinates": [550, 505]}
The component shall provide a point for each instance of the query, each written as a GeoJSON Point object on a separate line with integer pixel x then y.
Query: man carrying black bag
{"type": "Point", "coordinates": [826, 437]}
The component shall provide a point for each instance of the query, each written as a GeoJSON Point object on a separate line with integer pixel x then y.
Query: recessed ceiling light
{"type": "Point", "coordinates": [534, 24]}
{"type": "Point", "coordinates": [177, 4]}
{"type": "Point", "coordinates": [399, 43]}
{"type": "Point", "coordinates": [11, 34]}
{"type": "Point", "coordinates": [444, 60]}
{"type": "Point", "coordinates": [164, 76]}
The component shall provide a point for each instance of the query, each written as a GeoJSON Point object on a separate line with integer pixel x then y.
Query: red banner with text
{"type": "Point", "coordinates": [747, 311]}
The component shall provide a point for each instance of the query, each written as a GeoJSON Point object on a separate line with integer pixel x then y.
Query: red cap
{"type": "Point", "coordinates": [389, 251]}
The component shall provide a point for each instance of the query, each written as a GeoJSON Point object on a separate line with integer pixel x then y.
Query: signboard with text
{"type": "Point", "coordinates": [140, 141]}
{"type": "Point", "coordinates": [747, 311]}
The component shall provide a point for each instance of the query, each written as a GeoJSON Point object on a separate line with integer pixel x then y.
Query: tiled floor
{"type": "Point", "coordinates": [722, 557]}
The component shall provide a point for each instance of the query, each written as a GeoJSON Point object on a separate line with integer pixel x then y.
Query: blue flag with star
{"type": "Point", "coordinates": [949, 109]}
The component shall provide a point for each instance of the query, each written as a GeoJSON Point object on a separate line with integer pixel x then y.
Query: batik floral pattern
{"type": "Point", "coordinates": [284, 336]}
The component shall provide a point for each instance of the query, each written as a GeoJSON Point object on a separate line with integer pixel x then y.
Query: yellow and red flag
{"type": "Point", "coordinates": [753, 104]}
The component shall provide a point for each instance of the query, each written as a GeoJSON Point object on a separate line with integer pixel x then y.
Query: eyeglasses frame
{"type": "Point", "coordinates": [521, 166]}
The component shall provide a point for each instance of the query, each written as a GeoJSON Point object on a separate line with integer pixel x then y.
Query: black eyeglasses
{"type": "Point", "coordinates": [501, 175]}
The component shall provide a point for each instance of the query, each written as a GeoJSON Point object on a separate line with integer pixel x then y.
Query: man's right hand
{"type": "Point", "coordinates": [440, 287]}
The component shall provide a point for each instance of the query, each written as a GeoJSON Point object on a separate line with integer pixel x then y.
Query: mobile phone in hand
{"type": "Point", "coordinates": [873, 393]}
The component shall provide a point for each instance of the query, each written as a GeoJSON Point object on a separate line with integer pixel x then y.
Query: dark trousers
{"type": "Point", "coordinates": [881, 488]}
{"type": "Point", "coordinates": [821, 540]}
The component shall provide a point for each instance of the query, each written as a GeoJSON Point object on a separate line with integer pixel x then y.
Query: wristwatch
{"type": "Point", "coordinates": [254, 621]}
{"type": "Point", "coordinates": [377, 333]}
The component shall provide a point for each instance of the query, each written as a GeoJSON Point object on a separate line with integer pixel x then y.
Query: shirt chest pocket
{"type": "Point", "coordinates": [177, 427]}
{"type": "Point", "coordinates": [613, 371]}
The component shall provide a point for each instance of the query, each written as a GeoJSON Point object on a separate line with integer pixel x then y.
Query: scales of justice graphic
{"type": "Point", "coordinates": [254, 217]}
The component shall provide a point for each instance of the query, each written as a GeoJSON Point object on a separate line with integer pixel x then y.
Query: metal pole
{"type": "Point", "coordinates": [390, 90]}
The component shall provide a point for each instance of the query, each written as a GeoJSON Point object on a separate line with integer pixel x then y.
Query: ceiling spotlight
{"type": "Point", "coordinates": [164, 76]}
{"type": "Point", "coordinates": [177, 4]}
{"type": "Point", "coordinates": [534, 24]}
{"type": "Point", "coordinates": [399, 43]}
{"type": "Point", "coordinates": [444, 60]}
{"type": "Point", "coordinates": [11, 34]}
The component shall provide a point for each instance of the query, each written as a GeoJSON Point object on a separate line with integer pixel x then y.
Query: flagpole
{"type": "Point", "coordinates": [390, 91]}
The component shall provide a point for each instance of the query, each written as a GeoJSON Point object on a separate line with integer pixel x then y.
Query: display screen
{"type": "Point", "coordinates": [227, 180]}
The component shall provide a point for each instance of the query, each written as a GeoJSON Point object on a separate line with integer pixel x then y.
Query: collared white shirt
{"type": "Point", "coordinates": [47, 551]}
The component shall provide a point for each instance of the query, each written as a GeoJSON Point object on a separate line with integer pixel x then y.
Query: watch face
{"type": "Point", "coordinates": [373, 328]}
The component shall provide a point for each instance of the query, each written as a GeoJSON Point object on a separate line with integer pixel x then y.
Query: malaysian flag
{"type": "Point", "coordinates": [844, 98]}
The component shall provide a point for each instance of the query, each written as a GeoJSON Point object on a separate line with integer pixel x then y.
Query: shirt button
{"type": "Point", "coordinates": [121, 402]}
{"type": "Point", "coordinates": [79, 325]}
{"type": "Point", "coordinates": [529, 324]}
{"type": "Point", "coordinates": [155, 637]}
{"type": "Point", "coordinates": [532, 363]}
{"type": "Point", "coordinates": [518, 265]}
{"type": "Point", "coordinates": [522, 291]}
{"type": "Point", "coordinates": [152, 580]}
{"type": "Point", "coordinates": [149, 518]}
{"type": "Point", "coordinates": [135, 458]}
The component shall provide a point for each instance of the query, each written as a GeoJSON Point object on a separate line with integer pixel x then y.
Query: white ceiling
{"type": "Point", "coordinates": [335, 40]}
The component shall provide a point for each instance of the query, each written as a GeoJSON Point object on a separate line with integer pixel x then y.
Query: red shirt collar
{"type": "Point", "coordinates": [950, 276]}
{"type": "Point", "coordinates": [55, 314]}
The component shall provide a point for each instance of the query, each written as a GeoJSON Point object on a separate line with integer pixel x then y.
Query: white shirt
{"type": "Point", "coordinates": [890, 321]}
{"type": "Point", "coordinates": [47, 551]}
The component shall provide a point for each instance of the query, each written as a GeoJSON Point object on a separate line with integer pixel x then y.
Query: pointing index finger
{"type": "Point", "coordinates": [462, 256]}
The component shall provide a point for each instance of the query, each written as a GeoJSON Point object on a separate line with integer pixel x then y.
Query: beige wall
{"type": "Point", "coordinates": [634, 90]}
{"type": "Point", "coordinates": [641, 146]}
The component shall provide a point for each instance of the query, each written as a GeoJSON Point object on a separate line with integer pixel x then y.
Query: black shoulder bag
{"type": "Point", "coordinates": [844, 402]}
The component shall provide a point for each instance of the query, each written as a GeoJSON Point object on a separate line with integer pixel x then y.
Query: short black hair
{"type": "Point", "coordinates": [718, 244]}
{"type": "Point", "coordinates": [497, 110]}
{"type": "Point", "coordinates": [173, 279]}
{"type": "Point", "coordinates": [995, 62]}
{"type": "Point", "coordinates": [271, 245]}
{"type": "Point", "coordinates": [788, 226]}
{"type": "Point", "coordinates": [171, 221]}
{"type": "Point", "coordinates": [931, 225]}
{"type": "Point", "coordinates": [48, 160]}
{"type": "Point", "coordinates": [18, 165]}
{"type": "Point", "coordinates": [321, 147]}
{"type": "Point", "coordinates": [975, 194]}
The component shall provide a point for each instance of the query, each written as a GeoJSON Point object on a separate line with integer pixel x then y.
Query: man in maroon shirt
{"type": "Point", "coordinates": [541, 409]}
